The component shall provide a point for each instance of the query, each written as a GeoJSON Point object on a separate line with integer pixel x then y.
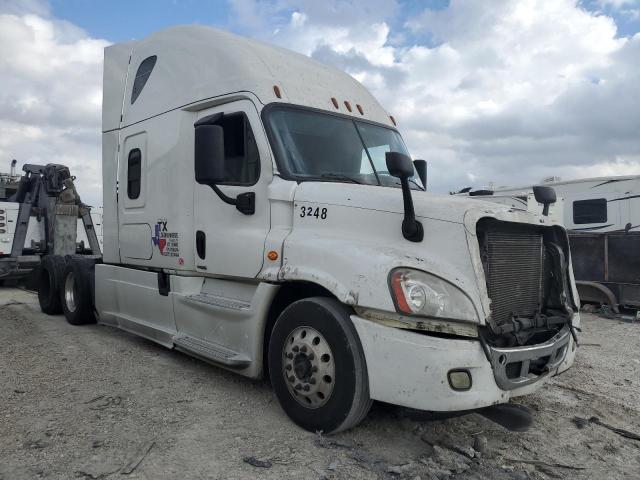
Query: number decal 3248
{"type": "Point", "coordinates": [320, 213]}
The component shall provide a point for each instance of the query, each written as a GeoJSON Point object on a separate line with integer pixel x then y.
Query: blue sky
{"type": "Point", "coordinates": [489, 92]}
{"type": "Point", "coordinates": [121, 20]}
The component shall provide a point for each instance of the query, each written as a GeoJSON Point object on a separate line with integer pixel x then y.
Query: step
{"type": "Point", "coordinates": [211, 352]}
{"type": "Point", "coordinates": [230, 303]}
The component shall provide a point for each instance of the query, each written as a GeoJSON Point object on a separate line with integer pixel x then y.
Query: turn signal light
{"type": "Point", "coordinates": [272, 255]}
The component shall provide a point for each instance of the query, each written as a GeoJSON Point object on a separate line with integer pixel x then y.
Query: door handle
{"type": "Point", "coordinates": [201, 244]}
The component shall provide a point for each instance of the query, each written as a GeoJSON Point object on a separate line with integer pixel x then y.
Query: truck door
{"type": "Point", "coordinates": [227, 241]}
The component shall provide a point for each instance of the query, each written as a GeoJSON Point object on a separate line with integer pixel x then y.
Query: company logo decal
{"type": "Point", "coordinates": [165, 240]}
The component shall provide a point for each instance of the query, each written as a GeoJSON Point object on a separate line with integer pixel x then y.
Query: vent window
{"type": "Point", "coordinates": [134, 173]}
{"type": "Point", "coordinates": [590, 211]}
{"type": "Point", "coordinates": [142, 75]}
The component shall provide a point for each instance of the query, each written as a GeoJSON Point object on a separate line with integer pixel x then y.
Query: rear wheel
{"type": "Point", "coordinates": [75, 293]}
{"type": "Point", "coordinates": [49, 280]}
{"type": "Point", "coordinates": [317, 366]}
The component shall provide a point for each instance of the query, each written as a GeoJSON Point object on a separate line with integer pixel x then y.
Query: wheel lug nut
{"type": "Point", "coordinates": [312, 381]}
{"type": "Point", "coordinates": [314, 369]}
{"type": "Point", "coordinates": [304, 349]}
{"type": "Point", "coordinates": [288, 367]}
{"type": "Point", "coordinates": [295, 349]}
{"type": "Point", "coordinates": [307, 388]}
{"type": "Point", "coordinates": [311, 356]}
{"type": "Point", "coordinates": [298, 387]}
{"type": "Point", "coordinates": [292, 378]}
{"type": "Point", "coordinates": [289, 356]}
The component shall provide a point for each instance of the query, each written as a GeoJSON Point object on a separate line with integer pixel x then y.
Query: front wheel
{"type": "Point", "coordinates": [317, 366]}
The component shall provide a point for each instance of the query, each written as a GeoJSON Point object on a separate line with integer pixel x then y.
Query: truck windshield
{"type": "Point", "coordinates": [311, 145]}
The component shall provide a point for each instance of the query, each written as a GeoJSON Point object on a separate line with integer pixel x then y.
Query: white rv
{"type": "Point", "coordinates": [603, 204]}
{"type": "Point", "coordinates": [261, 213]}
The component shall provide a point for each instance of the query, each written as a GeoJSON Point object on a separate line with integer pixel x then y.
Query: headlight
{"type": "Point", "coordinates": [419, 293]}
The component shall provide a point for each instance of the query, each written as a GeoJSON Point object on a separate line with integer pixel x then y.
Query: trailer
{"type": "Point", "coordinates": [262, 213]}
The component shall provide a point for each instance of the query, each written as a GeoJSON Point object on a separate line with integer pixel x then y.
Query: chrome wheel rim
{"type": "Point", "coordinates": [308, 367]}
{"type": "Point", "coordinates": [70, 292]}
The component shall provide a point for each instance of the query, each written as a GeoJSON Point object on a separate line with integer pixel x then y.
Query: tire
{"type": "Point", "coordinates": [49, 281]}
{"type": "Point", "coordinates": [317, 333]}
{"type": "Point", "coordinates": [75, 291]}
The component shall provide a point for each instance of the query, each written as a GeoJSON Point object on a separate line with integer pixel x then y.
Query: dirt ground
{"type": "Point", "coordinates": [93, 402]}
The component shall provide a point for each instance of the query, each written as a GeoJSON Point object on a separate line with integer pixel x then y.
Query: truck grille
{"type": "Point", "coordinates": [514, 263]}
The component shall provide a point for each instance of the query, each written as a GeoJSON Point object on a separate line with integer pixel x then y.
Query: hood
{"type": "Point", "coordinates": [447, 208]}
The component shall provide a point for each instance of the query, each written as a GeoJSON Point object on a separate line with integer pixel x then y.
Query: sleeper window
{"type": "Point", "coordinates": [590, 211]}
{"type": "Point", "coordinates": [142, 75]}
{"type": "Point", "coordinates": [134, 173]}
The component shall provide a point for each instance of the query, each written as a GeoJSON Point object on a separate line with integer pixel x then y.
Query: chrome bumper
{"type": "Point", "coordinates": [512, 367]}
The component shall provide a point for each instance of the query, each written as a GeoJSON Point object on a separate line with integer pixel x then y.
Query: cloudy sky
{"type": "Point", "coordinates": [495, 91]}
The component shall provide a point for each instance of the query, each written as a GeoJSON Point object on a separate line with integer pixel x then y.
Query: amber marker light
{"type": "Point", "coordinates": [276, 90]}
{"type": "Point", "coordinates": [272, 255]}
{"type": "Point", "coordinates": [396, 285]}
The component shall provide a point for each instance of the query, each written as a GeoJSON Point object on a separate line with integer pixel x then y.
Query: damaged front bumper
{"type": "Point", "coordinates": [411, 369]}
{"type": "Point", "coordinates": [519, 366]}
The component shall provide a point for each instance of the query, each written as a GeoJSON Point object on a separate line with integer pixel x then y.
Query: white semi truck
{"type": "Point", "coordinates": [261, 213]}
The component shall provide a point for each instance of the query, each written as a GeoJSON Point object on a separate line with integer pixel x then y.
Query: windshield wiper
{"type": "Point", "coordinates": [415, 183]}
{"type": "Point", "coordinates": [340, 176]}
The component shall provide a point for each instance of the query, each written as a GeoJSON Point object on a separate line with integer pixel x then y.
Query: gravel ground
{"type": "Point", "coordinates": [93, 402]}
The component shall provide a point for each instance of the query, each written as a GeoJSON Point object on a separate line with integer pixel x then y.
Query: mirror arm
{"type": "Point", "coordinates": [245, 202]}
{"type": "Point", "coordinates": [411, 228]}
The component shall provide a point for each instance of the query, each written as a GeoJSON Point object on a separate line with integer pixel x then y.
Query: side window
{"type": "Point", "coordinates": [590, 211]}
{"type": "Point", "coordinates": [242, 162]}
{"type": "Point", "coordinates": [142, 75]}
{"type": "Point", "coordinates": [134, 173]}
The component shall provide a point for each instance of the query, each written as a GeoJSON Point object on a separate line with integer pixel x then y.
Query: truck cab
{"type": "Point", "coordinates": [261, 213]}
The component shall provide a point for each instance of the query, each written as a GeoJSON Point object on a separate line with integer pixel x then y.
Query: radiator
{"type": "Point", "coordinates": [514, 268]}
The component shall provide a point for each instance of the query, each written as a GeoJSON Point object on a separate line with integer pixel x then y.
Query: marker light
{"type": "Point", "coordinates": [393, 120]}
{"type": "Point", "coordinates": [272, 255]}
{"type": "Point", "coordinates": [335, 102]}
{"type": "Point", "coordinates": [348, 105]}
{"type": "Point", "coordinates": [359, 107]}
{"type": "Point", "coordinates": [276, 90]}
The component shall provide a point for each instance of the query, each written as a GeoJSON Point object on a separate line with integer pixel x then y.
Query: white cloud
{"type": "Point", "coordinates": [50, 94]}
{"type": "Point", "coordinates": [506, 91]}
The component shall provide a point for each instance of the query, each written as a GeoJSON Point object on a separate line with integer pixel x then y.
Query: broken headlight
{"type": "Point", "coordinates": [419, 293]}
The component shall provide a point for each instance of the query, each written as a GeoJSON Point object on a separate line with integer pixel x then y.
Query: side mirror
{"type": "Point", "coordinates": [401, 166]}
{"type": "Point", "coordinates": [546, 196]}
{"type": "Point", "coordinates": [421, 168]}
{"type": "Point", "coordinates": [209, 154]}
{"type": "Point", "coordinates": [209, 160]}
